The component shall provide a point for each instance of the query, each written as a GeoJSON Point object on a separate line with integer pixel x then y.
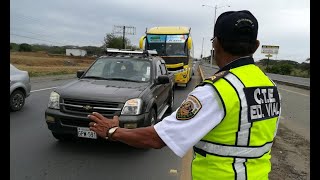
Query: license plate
{"type": "Point", "coordinates": [86, 133]}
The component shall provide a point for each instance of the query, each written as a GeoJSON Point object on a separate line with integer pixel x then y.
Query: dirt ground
{"type": "Point", "coordinates": [42, 64]}
{"type": "Point", "coordinates": [290, 156]}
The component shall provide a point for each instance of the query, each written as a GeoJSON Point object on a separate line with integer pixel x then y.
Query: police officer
{"type": "Point", "coordinates": [230, 119]}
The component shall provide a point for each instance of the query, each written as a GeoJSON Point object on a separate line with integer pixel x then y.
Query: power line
{"type": "Point", "coordinates": [71, 44]}
{"type": "Point", "coordinates": [38, 21]}
{"type": "Point", "coordinates": [24, 18]}
{"type": "Point", "coordinates": [36, 39]}
{"type": "Point", "coordinates": [40, 28]}
{"type": "Point", "coordinates": [23, 31]}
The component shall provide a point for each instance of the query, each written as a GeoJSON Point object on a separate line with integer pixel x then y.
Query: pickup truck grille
{"type": "Point", "coordinates": [75, 122]}
{"type": "Point", "coordinates": [84, 107]}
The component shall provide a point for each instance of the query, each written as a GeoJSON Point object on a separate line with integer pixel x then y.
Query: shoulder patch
{"type": "Point", "coordinates": [217, 76]}
{"type": "Point", "coordinates": [189, 108]}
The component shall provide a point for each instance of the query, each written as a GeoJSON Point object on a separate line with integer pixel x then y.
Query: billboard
{"type": "Point", "coordinates": [268, 49]}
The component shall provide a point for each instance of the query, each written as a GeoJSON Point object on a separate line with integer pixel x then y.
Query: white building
{"type": "Point", "coordinates": [76, 52]}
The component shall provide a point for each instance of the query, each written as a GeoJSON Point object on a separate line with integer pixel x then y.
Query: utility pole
{"type": "Point", "coordinates": [215, 16]}
{"type": "Point", "coordinates": [214, 23]}
{"type": "Point", "coordinates": [129, 30]}
{"type": "Point", "coordinates": [123, 37]}
{"type": "Point", "coordinates": [214, 20]}
{"type": "Point", "coordinates": [268, 55]}
{"type": "Point", "coordinates": [202, 48]}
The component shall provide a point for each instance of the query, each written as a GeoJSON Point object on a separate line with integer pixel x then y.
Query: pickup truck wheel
{"type": "Point", "coordinates": [17, 100]}
{"type": "Point", "coordinates": [62, 137]}
{"type": "Point", "coordinates": [153, 117]}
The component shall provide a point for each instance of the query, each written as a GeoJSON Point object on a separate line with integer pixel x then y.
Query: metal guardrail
{"type": "Point", "coordinates": [206, 71]}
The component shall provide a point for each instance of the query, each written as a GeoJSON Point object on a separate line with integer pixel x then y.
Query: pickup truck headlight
{"type": "Point", "coordinates": [54, 100]}
{"type": "Point", "coordinates": [132, 107]}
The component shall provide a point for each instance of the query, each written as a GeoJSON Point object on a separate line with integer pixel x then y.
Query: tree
{"type": "Point", "coordinates": [305, 67]}
{"type": "Point", "coordinates": [308, 60]}
{"type": "Point", "coordinates": [133, 47]}
{"type": "Point", "coordinates": [285, 69]}
{"type": "Point", "coordinates": [57, 50]}
{"type": "Point", "coordinates": [113, 41]}
{"type": "Point", "coordinates": [24, 47]}
{"type": "Point", "coordinates": [93, 50]}
{"type": "Point", "coordinates": [14, 47]}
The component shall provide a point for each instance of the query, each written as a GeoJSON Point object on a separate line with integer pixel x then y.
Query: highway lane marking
{"type": "Point", "coordinates": [42, 89]}
{"type": "Point", "coordinates": [173, 171]}
{"type": "Point", "coordinates": [294, 92]}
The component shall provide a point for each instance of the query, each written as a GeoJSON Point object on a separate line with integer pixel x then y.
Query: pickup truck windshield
{"type": "Point", "coordinates": [120, 69]}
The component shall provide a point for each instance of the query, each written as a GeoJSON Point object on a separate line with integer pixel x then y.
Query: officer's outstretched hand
{"type": "Point", "coordinates": [101, 124]}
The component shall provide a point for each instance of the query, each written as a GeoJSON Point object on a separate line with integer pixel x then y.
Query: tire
{"type": "Point", "coordinates": [62, 137]}
{"type": "Point", "coordinates": [153, 117]}
{"type": "Point", "coordinates": [171, 102]}
{"type": "Point", "coordinates": [17, 100]}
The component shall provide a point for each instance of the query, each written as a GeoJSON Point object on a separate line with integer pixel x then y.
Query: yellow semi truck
{"type": "Point", "coordinates": [174, 44]}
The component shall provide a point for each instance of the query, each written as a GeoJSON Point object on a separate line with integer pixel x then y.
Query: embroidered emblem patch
{"type": "Point", "coordinates": [189, 108]}
{"type": "Point", "coordinates": [217, 76]}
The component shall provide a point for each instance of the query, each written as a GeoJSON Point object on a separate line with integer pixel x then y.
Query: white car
{"type": "Point", "coordinates": [20, 88]}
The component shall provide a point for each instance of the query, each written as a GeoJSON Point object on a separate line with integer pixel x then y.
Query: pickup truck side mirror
{"type": "Point", "coordinates": [163, 79]}
{"type": "Point", "coordinates": [80, 73]}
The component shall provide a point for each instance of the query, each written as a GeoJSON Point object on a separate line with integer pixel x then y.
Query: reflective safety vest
{"type": "Point", "coordinates": [238, 148]}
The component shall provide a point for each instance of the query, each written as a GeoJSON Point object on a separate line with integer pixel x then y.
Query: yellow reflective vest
{"type": "Point", "coordinates": [238, 148]}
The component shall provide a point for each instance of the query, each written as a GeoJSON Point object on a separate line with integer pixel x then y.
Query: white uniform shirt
{"type": "Point", "coordinates": [181, 135]}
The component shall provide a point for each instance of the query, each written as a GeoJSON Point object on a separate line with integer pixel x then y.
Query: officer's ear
{"type": "Point", "coordinates": [257, 45]}
{"type": "Point", "coordinates": [216, 45]}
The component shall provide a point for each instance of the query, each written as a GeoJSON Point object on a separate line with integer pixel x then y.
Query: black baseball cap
{"type": "Point", "coordinates": [236, 26]}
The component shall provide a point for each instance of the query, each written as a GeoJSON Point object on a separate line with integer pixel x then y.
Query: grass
{"type": "Point", "coordinates": [295, 72]}
{"type": "Point", "coordinates": [43, 64]}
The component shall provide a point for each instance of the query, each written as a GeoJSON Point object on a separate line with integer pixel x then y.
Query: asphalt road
{"type": "Point", "coordinates": [295, 113]}
{"type": "Point", "coordinates": [284, 79]}
{"type": "Point", "coordinates": [36, 155]}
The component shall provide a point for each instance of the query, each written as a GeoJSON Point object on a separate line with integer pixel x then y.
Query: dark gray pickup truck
{"type": "Point", "coordinates": [134, 85]}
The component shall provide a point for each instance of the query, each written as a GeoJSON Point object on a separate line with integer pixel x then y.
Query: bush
{"type": "Point", "coordinates": [284, 69]}
{"type": "Point", "coordinates": [25, 47]}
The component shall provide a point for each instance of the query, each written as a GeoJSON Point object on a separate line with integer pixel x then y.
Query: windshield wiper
{"type": "Point", "coordinates": [121, 79]}
{"type": "Point", "coordinates": [94, 77]}
{"type": "Point", "coordinates": [117, 79]}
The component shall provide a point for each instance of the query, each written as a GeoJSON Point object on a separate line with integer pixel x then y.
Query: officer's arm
{"type": "Point", "coordinates": [145, 137]}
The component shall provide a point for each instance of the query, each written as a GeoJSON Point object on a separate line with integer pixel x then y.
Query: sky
{"type": "Point", "coordinates": [284, 23]}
